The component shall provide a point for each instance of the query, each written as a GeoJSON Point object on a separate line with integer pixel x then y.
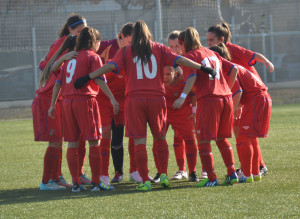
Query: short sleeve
{"type": "Point", "coordinates": [188, 72]}
{"type": "Point", "coordinates": [236, 88]}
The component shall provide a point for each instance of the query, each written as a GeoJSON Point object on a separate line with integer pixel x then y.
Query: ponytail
{"type": "Point", "coordinates": [221, 30]}
{"type": "Point", "coordinates": [87, 38]}
{"type": "Point", "coordinates": [141, 42]}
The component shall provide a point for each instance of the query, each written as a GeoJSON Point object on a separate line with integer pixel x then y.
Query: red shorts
{"type": "Point", "coordinates": [107, 111]}
{"type": "Point", "coordinates": [140, 110]}
{"type": "Point", "coordinates": [81, 119]}
{"type": "Point", "coordinates": [44, 127]}
{"type": "Point", "coordinates": [214, 118]}
{"type": "Point", "coordinates": [256, 115]}
{"type": "Point", "coordinates": [180, 122]}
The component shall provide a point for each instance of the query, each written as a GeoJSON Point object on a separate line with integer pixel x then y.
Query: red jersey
{"type": "Point", "coordinates": [205, 85]}
{"type": "Point", "coordinates": [242, 56]}
{"type": "Point", "coordinates": [116, 83]}
{"type": "Point", "coordinates": [53, 49]}
{"type": "Point", "coordinates": [86, 62]}
{"type": "Point", "coordinates": [140, 78]}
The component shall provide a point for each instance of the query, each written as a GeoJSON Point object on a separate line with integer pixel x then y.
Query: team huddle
{"type": "Point", "coordinates": [92, 91]}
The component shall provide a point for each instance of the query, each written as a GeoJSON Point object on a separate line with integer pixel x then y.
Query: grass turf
{"type": "Point", "coordinates": [277, 195]}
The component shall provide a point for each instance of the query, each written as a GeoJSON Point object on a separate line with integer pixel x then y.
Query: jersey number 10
{"type": "Point", "coordinates": [139, 68]}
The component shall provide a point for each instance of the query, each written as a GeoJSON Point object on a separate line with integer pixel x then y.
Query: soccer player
{"type": "Point", "coordinates": [113, 125]}
{"type": "Point", "coordinates": [239, 55]}
{"type": "Point", "coordinates": [47, 129]}
{"type": "Point", "coordinates": [214, 115]}
{"type": "Point", "coordinates": [143, 62]}
{"type": "Point", "coordinates": [182, 121]}
{"type": "Point", "coordinates": [254, 119]}
{"type": "Point", "coordinates": [80, 113]}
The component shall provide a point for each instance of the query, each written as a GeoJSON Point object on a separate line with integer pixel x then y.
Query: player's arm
{"type": "Point", "coordinates": [95, 74]}
{"type": "Point", "coordinates": [261, 58]}
{"type": "Point", "coordinates": [187, 88]}
{"type": "Point", "coordinates": [191, 64]}
{"type": "Point", "coordinates": [55, 93]}
{"type": "Point", "coordinates": [103, 86]}
{"type": "Point", "coordinates": [236, 105]}
{"type": "Point", "coordinates": [68, 56]}
{"type": "Point", "coordinates": [232, 77]}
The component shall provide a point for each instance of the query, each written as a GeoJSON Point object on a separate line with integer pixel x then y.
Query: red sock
{"type": "Point", "coordinates": [141, 161]}
{"type": "Point", "coordinates": [81, 154]}
{"type": "Point", "coordinates": [132, 167]}
{"type": "Point", "coordinates": [57, 172]}
{"type": "Point", "coordinates": [191, 153]}
{"type": "Point", "coordinates": [245, 154]}
{"type": "Point", "coordinates": [227, 155]}
{"type": "Point", "coordinates": [95, 162]}
{"type": "Point", "coordinates": [256, 157]}
{"type": "Point", "coordinates": [73, 163]}
{"type": "Point", "coordinates": [179, 152]}
{"type": "Point", "coordinates": [105, 155]}
{"type": "Point", "coordinates": [156, 161]}
{"type": "Point", "coordinates": [163, 155]}
{"type": "Point", "coordinates": [50, 163]}
{"type": "Point", "coordinates": [255, 144]}
{"type": "Point", "coordinates": [207, 160]}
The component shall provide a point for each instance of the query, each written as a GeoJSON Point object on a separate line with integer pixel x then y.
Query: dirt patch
{"type": "Point", "coordinates": [279, 96]}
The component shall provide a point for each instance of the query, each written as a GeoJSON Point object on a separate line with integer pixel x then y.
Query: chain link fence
{"type": "Point", "coordinates": [29, 27]}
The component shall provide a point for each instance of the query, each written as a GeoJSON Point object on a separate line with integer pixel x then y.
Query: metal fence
{"type": "Point", "coordinates": [29, 27]}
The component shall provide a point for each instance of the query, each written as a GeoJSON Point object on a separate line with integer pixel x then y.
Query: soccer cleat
{"type": "Point", "coordinates": [63, 182]}
{"type": "Point", "coordinates": [95, 187]}
{"type": "Point", "coordinates": [257, 177]}
{"type": "Point", "coordinates": [179, 175]}
{"type": "Point", "coordinates": [78, 188]}
{"type": "Point", "coordinates": [203, 174]}
{"type": "Point", "coordinates": [106, 187]}
{"type": "Point", "coordinates": [156, 179]}
{"type": "Point", "coordinates": [230, 180]}
{"type": "Point", "coordinates": [105, 179]}
{"type": "Point", "coordinates": [207, 183]}
{"type": "Point", "coordinates": [193, 177]}
{"type": "Point", "coordinates": [245, 179]}
{"type": "Point", "coordinates": [118, 178]}
{"type": "Point", "coordinates": [84, 180]}
{"type": "Point", "coordinates": [144, 186]}
{"type": "Point", "coordinates": [263, 170]}
{"type": "Point", "coordinates": [164, 182]}
{"type": "Point", "coordinates": [51, 186]}
{"type": "Point", "coordinates": [135, 177]}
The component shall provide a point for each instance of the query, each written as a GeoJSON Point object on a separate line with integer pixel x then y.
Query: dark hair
{"type": "Point", "coordinates": [68, 45]}
{"type": "Point", "coordinates": [126, 30]}
{"type": "Point", "coordinates": [190, 39]}
{"type": "Point", "coordinates": [86, 39]}
{"type": "Point", "coordinates": [173, 35]}
{"type": "Point", "coordinates": [73, 21]}
{"type": "Point", "coordinates": [221, 30]}
{"type": "Point", "coordinates": [222, 50]}
{"type": "Point", "coordinates": [141, 42]}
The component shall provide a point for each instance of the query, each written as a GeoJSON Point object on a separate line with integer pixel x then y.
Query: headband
{"type": "Point", "coordinates": [78, 22]}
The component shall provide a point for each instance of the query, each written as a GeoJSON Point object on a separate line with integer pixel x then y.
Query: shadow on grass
{"type": "Point", "coordinates": [16, 196]}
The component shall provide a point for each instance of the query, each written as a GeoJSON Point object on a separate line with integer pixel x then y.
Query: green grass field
{"type": "Point", "coordinates": [277, 195]}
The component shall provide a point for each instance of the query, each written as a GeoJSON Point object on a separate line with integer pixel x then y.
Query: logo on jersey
{"type": "Point", "coordinates": [51, 132]}
{"type": "Point", "coordinates": [198, 131]}
{"type": "Point", "coordinates": [246, 127]}
{"type": "Point", "coordinates": [176, 94]}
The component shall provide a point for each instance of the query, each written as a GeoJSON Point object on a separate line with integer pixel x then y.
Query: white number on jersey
{"type": "Point", "coordinates": [71, 69]}
{"type": "Point", "coordinates": [207, 64]}
{"type": "Point", "coordinates": [139, 68]}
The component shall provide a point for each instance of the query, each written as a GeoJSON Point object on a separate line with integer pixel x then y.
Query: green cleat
{"type": "Point", "coordinates": [230, 180]}
{"type": "Point", "coordinates": [164, 182]}
{"type": "Point", "coordinates": [144, 186]}
{"type": "Point", "coordinates": [245, 179]}
{"type": "Point", "coordinates": [257, 177]}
